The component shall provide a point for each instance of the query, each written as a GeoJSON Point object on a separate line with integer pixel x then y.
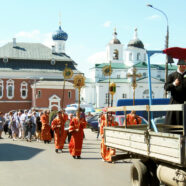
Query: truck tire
{"type": "Point", "coordinates": [139, 174]}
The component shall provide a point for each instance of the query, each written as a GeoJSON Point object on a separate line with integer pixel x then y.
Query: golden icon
{"type": "Point", "coordinates": [107, 70]}
{"type": "Point", "coordinates": [67, 73]}
{"type": "Point", "coordinates": [79, 81]}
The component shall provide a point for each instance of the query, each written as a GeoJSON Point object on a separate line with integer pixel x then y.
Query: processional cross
{"type": "Point", "coordinates": [134, 75]}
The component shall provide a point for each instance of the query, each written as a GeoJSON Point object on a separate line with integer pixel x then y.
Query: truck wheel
{"type": "Point", "coordinates": [139, 174]}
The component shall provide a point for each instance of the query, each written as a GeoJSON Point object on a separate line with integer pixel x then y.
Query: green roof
{"type": "Point", "coordinates": [30, 51]}
{"type": "Point", "coordinates": [173, 67]}
{"type": "Point", "coordinates": [141, 65]}
{"type": "Point", "coordinates": [139, 79]}
{"type": "Point", "coordinates": [123, 80]}
{"type": "Point", "coordinates": [157, 66]}
{"type": "Point", "coordinates": [113, 65]}
{"type": "Point", "coordinates": [115, 80]}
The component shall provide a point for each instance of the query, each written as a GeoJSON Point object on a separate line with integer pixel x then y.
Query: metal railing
{"type": "Point", "coordinates": [153, 108]}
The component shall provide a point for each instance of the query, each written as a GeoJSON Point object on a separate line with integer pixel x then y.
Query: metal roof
{"type": "Point", "coordinates": [33, 56]}
{"type": "Point", "coordinates": [30, 51]}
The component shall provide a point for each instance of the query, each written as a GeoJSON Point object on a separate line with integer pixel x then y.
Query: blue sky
{"type": "Point", "coordinates": [90, 24]}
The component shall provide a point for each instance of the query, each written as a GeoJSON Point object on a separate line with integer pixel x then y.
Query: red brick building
{"type": "Point", "coordinates": [31, 75]}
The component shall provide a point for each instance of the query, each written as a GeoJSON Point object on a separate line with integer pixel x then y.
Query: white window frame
{"type": "Point", "coordinates": [10, 83]}
{"type": "Point", "coordinates": [1, 87]}
{"type": "Point", "coordinates": [24, 87]}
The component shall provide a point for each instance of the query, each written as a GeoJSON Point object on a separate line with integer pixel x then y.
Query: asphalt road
{"type": "Point", "coordinates": [36, 164]}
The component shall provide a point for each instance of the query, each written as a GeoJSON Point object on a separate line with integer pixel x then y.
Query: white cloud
{"type": "Point", "coordinates": [47, 40]}
{"type": "Point", "coordinates": [155, 16]}
{"type": "Point", "coordinates": [31, 35]}
{"type": "Point", "coordinates": [34, 36]}
{"type": "Point", "coordinates": [107, 24]}
{"type": "Point", "coordinates": [99, 57]}
{"type": "Point", "coordinates": [3, 42]}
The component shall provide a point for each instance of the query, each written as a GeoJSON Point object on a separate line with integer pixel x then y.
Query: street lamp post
{"type": "Point", "coordinates": [166, 44]}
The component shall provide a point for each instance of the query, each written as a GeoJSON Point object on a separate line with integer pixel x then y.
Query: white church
{"type": "Point", "coordinates": [123, 61]}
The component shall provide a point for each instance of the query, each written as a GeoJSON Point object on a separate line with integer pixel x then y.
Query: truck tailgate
{"type": "Point", "coordinates": [162, 146]}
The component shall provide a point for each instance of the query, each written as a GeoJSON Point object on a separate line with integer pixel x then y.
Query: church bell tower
{"type": "Point", "coordinates": [115, 50]}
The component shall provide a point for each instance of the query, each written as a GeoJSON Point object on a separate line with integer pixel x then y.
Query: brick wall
{"type": "Point", "coordinates": [43, 101]}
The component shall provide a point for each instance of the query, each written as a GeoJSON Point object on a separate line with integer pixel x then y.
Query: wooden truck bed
{"type": "Point", "coordinates": [161, 146]}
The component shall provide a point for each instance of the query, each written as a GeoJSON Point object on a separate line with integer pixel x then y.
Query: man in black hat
{"type": "Point", "coordinates": [176, 84]}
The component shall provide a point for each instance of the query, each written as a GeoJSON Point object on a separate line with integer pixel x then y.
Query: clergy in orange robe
{"type": "Point", "coordinates": [59, 133]}
{"type": "Point", "coordinates": [107, 152]}
{"type": "Point", "coordinates": [45, 130]}
{"type": "Point", "coordinates": [65, 118]}
{"type": "Point", "coordinates": [133, 119]}
{"type": "Point", "coordinates": [76, 129]}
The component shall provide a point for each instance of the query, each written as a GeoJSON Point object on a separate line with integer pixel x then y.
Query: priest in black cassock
{"type": "Point", "coordinates": [176, 84]}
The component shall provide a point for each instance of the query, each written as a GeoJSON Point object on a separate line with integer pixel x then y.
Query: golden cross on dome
{"type": "Point", "coordinates": [59, 18]}
{"type": "Point", "coordinates": [134, 75]}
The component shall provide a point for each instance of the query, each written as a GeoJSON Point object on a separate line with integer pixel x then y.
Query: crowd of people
{"type": "Point", "coordinates": [32, 125]}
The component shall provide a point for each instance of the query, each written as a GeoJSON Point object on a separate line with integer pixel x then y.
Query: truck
{"type": "Point", "coordinates": [159, 150]}
{"type": "Point", "coordinates": [161, 156]}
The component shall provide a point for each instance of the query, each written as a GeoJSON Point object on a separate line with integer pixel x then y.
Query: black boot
{"type": "Point", "coordinates": [56, 150]}
{"type": "Point", "coordinates": [78, 157]}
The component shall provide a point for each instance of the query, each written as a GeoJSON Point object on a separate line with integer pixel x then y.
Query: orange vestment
{"type": "Point", "coordinates": [131, 120]}
{"type": "Point", "coordinates": [106, 152]}
{"type": "Point", "coordinates": [76, 128]}
{"type": "Point", "coordinates": [45, 130]}
{"type": "Point", "coordinates": [59, 133]}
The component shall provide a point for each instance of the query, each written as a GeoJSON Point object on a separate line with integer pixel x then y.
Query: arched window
{"type": "Point", "coordinates": [146, 94]}
{"type": "Point", "coordinates": [69, 95]}
{"type": "Point", "coordinates": [1, 88]}
{"type": "Point", "coordinates": [24, 90]}
{"type": "Point", "coordinates": [10, 89]}
{"type": "Point", "coordinates": [130, 56]}
{"type": "Point", "coordinates": [138, 56]}
{"type": "Point", "coordinates": [144, 57]}
{"type": "Point", "coordinates": [60, 47]}
{"type": "Point", "coordinates": [115, 54]}
{"type": "Point", "coordinates": [144, 74]}
{"type": "Point", "coordinates": [38, 94]}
